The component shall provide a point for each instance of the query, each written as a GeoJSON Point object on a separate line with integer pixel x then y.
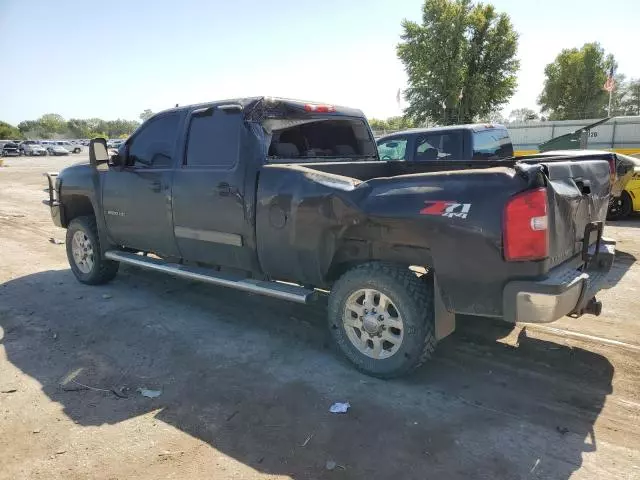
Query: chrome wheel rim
{"type": "Point", "coordinates": [82, 251]}
{"type": "Point", "coordinates": [373, 323]}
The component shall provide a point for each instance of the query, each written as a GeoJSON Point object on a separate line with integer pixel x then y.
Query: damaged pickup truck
{"type": "Point", "coordinates": [287, 199]}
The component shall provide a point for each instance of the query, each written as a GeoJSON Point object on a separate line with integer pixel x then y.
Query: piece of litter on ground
{"type": "Point", "coordinates": [60, 452]}
{"type": "Point", "coordinates": [330, 465]}
{"type": "Point", "coordinates": [37, 430]}
{"type": "Point", "coordinates": [535, 465]}
{"type": "Point", "coordinates": [149, 393]}
{"type": "Point", "coordinates": [339, 407]}
{"type": "Point", "coordinates": [106, 296]}
{"type": "Point", "coordinates": [9, 390]}
{"type": "Point", "coordinates": [55, 241]}
{"type": "Point", "coordinates": [306, 442]}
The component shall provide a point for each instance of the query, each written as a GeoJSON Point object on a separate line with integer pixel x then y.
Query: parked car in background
{"type": "Point", "coordinates": [73, 148]}
{"type": "Point", "coordinates": [33, 149]}
{"type": "Point", "coordinates": [25, 143]}
{"type": "Point", "coordinates": [57, 150]}
{"type": "Point", "coordinates": [10, 149]}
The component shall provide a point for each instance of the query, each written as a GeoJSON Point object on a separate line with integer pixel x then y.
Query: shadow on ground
{"type": "Point", "coordinates": [253, 378]}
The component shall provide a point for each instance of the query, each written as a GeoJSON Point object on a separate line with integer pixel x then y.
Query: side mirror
{"type": "Point", "coordinates": [116, 160]}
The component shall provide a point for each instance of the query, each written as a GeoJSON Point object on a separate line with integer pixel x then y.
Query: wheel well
{"type": "Point", "coordinates": [76, 206]}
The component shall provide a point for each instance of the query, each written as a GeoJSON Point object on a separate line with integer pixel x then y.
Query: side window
{"type": "Point", "coordinates": [213, 139]}
{"type": "Point", "coordinates": [153, 145]}
{"type": "Point", "coordinates": [395, 149]}
{"type": "Point", "coordinates": [492, 144]}
{"type": "Point", "coordinates": [439, 146]}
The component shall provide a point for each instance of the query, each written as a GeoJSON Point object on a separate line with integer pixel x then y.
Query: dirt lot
{"type": "Point", "coordinates": [246, 382]}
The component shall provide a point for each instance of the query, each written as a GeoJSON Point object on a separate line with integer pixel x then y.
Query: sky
{"type": "Point", "coordinates": [113, 59]}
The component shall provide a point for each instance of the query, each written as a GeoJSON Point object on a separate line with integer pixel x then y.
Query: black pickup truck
{"type": "Point", "coordinates": [289, 199]}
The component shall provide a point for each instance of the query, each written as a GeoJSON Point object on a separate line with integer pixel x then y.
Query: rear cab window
{"type": "Point", "coordinates": [330, 138]}
{"type": "Point", "coordinates": [492, 144]}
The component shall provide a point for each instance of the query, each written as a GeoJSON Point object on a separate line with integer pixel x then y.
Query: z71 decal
{"type": "Point", "coordinates": [443, 208]}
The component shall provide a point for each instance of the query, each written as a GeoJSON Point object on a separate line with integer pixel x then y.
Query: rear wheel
{"type": "Point", "coordinates": [620, 207]}
{"type": "Point", "coordinates": [85, 255]}
{"type": "Point", "coordinates": [381, 317]}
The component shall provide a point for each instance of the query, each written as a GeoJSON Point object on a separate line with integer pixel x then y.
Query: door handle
{"type": "Point", "coordinates": [156, 186]}
{"type": "Point", "coordinates": [224, 189]}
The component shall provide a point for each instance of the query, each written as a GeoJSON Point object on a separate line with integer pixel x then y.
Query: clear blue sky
{"type": "Point", "coordinates": [111, 59]}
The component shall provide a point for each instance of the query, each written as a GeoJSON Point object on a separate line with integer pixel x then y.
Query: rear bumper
{"type": "Point", "coordinates": [569, 289]}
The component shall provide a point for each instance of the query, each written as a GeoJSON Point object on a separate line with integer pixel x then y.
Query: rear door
{"type": "Point", "coordinates": [208, 192]}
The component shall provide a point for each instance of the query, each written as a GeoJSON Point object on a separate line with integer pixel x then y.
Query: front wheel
{"type": "Point", "coordinates": [85, 255]}
{"type": "Point", "coordinates": [382, 319]}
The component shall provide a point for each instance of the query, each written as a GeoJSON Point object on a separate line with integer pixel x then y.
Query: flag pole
{"type": "Point", "coordinates": [609, 107]}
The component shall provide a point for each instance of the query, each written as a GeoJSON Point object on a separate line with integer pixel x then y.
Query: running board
{"type": "Point", "coordinates": [283, 291]}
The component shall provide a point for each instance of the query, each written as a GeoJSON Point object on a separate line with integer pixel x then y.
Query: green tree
{"type": "Point", "coordinates": [573, 86]}
{"type": "Point", "coordinates": [146, 115]}
{"type": "Point", "coordinates": [53, 123]}
{"type": "Point", "coordinates": [523, 115]}
{"type": "Point", "coordinates": [629, 98]}
{"type": "Point", "coordinates": [460, 61]}
{"type": "Point", "coordinates": [9, 132]}
{"type": "Point", "coordinates": [391, 124]}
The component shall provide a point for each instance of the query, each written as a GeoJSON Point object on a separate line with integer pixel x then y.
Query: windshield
{"type": "Point", "coordinates": [328, 138]}
{"type": "Point", "coordinates": [492, 144]}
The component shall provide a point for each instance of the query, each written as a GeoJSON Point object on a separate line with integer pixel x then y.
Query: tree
{"type": "Point", "coordinates": [460, 61]}
{"type": "Point", "coordinates": [146, 115]}
{"type": "Point", "coordinates": [523, 115]}
{"type": "Point", "coordinates": [630, 98]}
{"type": "Point", "coordinates": [9, 132]}
{"type": "Point", "coordinates": [391, 124]}
{"type": "Point", "coordinates": [574, 82]}
{"type": "Point", "coordinates": [54, 123]}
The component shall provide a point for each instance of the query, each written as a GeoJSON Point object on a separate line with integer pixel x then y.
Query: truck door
{"type": "Point", "coordinates": [136, 198]}
{"type": "Point", "coordinates": [208, 192]}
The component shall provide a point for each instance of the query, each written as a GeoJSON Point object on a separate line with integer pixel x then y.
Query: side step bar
{"type": "Point", "coordinates": [283, 291]}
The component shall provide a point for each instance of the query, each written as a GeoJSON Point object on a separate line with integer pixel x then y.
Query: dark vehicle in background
{"type": "Point", "coordinates": [10, 149]}
{"type": "Point", "coordinates": [286, 198]}
{"type": "Point", "coordinates": [456, 142]}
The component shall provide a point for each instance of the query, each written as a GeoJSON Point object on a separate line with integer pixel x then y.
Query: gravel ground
{"type": "Point", "coordinates": [246, 382]}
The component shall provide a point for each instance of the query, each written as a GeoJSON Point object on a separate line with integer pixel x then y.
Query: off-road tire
{"type": "Point", "coordinates": [103, 270]}
{"type": "Point", "coordinates": [412, 297]}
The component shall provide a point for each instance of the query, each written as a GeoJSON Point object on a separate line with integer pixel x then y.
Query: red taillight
{"type": "Point", "coordinates": [526, 230]}
{"type": "Point", "coordinates": [309, 107]}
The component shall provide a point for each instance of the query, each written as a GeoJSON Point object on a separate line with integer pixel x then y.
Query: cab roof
{"type": "Point", "coordinates": [257, 108]}
{"type": "Point", "coordinates": [474, 127]}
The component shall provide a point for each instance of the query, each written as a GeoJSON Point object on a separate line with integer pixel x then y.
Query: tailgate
{"type": "Point", "coordinates": [578, 196]}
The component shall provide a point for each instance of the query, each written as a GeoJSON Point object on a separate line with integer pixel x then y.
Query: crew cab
{"type": "Point", "coordinates": [290, 199]}
{"type": "Point", "coordinates": [454, 142]}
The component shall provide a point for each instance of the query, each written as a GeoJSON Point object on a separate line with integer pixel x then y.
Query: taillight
{"type": "Point", "coordinates": [612, 169]}
{"type": "Point", "coordinates": [309, 107]}
{"type": "Point", "coordinates": [526, 226]}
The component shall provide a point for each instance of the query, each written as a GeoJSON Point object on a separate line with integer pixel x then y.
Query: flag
{"type": "Point", "coordinates": [398, 97]}
{"type": "Point", "coordinates": [610, 83]}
